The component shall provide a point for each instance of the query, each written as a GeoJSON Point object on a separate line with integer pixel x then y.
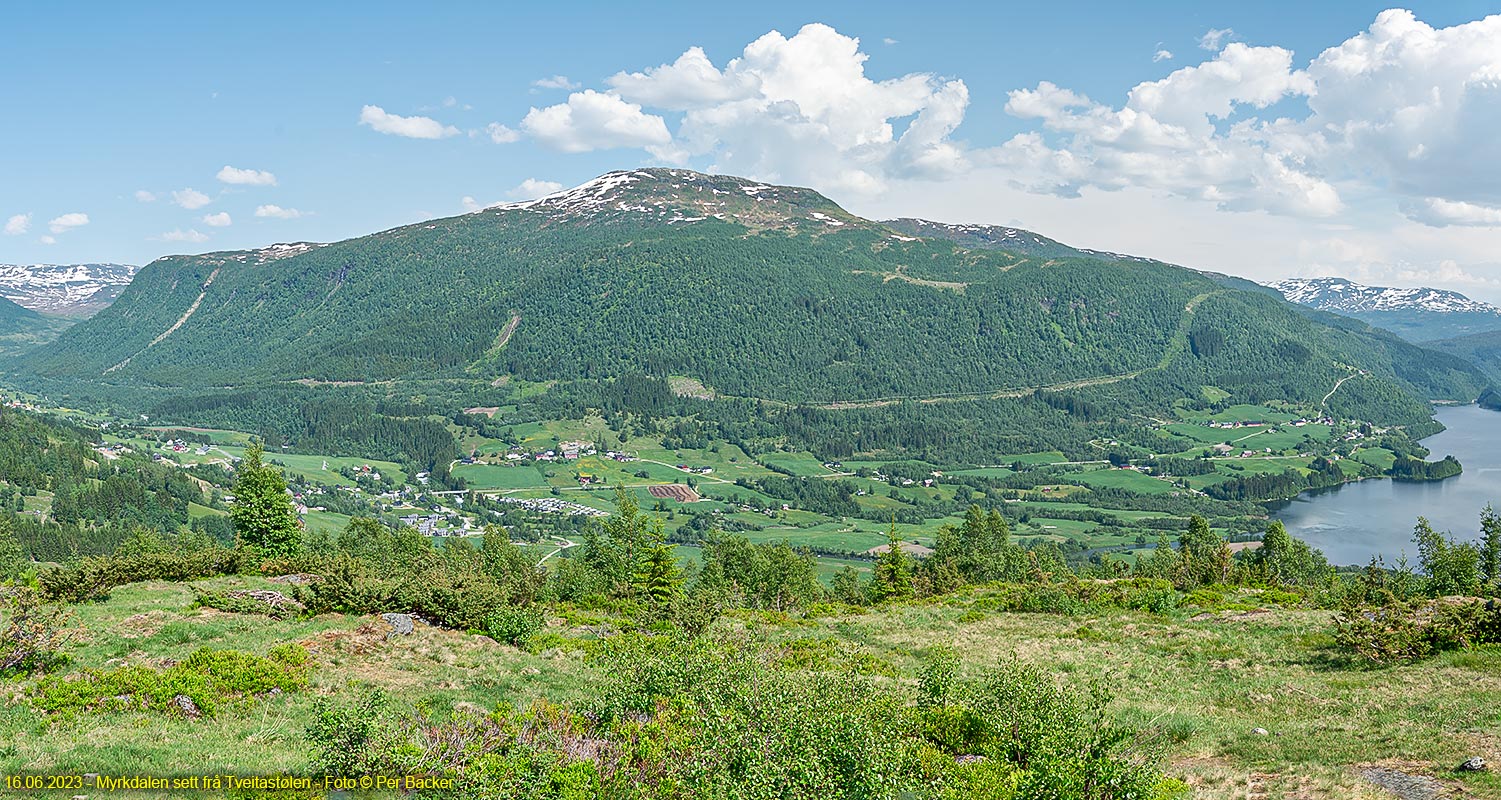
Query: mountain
{"type": "Point", "coordinates": [18, 319]}
{"type": "Point", "coordinates": [1481, 349]}
{"type": "Point", "coordinates": [1418, 315]}
{"type": "Point", "coordinates": [22, 329]}
{"type": "Point", "coordinates": [73, 290]}
{"type": "Point", "coordinates": [998, 237]}
{"type": "Point", "coordinates": [763, 294]}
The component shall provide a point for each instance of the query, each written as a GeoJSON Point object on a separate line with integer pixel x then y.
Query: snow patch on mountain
{"type": "Point", "coordinates": [69, 289]}
{"type": "Point", "coordinates": [1344, 296]}
{"type": "Point", "coordinates": [685, 196]}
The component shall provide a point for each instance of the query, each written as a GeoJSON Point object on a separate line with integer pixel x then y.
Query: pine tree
{"type": "Point", "coordinates": [262, 513]}
{"type": "Point", "coordinates": [893, 571]}
{"type": "Point", "coordinates": [658, 580]}
{"type": "Point", "coordinates": [846, 588]}
{"type": "Point", "coordinates": [13, 561]}
{"type": "Point", "coordinates": [1490, 549]}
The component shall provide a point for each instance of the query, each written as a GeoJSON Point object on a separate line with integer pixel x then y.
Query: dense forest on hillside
{"type": "Point", "coordinates": [1482, 349]}
{"type": "Point", "coordinates": [92, 501]}
{"type": "Point", "coordinates": [831, 333]}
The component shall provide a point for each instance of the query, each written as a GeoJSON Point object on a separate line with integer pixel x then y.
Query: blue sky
{"type": "Point", "coordinates": [1255, 154]}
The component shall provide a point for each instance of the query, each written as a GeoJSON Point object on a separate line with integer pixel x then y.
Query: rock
{"type": "Point", "coordinates": [275, 690]}
{"type": "Point", "coordinates": [186, 705]}
{"type": "Point", "coordinates": [401, 624]}
{"type": "Point", "coordinates": [1473, 764]}
{"type": "Point", "coordinates": [1259, 731]}
{"type": "Point", "coordinates": [1405, 785]}
{"type": "Point", "coordinates": [969, 759]}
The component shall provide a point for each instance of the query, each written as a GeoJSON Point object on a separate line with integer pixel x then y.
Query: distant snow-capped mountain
{"type": "Point", "coordinates": [1418, 314]}
{"type": "Point", "coordinates": [65, 289]}
{"type": "Point", "coordinates": [1343, 296]}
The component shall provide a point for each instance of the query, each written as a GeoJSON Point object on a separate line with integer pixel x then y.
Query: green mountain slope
{"type": "Point", "coordinates": [1481, 349]}
{"type": "Point", "coordinates": [22, 329]}
{"type": "Point", "coordinates": [757, 291]}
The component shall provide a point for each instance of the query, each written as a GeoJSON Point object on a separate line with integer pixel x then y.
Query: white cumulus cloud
{"type": "Point", "coordinates": [593, 120]}
{"type": "Point", "coordinates": [500, 134]}
{"type": "Point", "coordinates": [179, 235]}
{"type": "Point", "coordinates": [48, 240]}
{"type": "Point", "coordinates": [801, 109]}
{"type": "Point", "coordinates": [410, 127]}
{"type": "Point", "coordinates": [555, 82]}
{"type": "Point", "coordinates": [246, 177]}
{"type": "Point", "coordinates": [143, 196]}
{"type": "Point", "coordinates": [1214, 37]}
{"type": "Point", "coordinates": [17, 225]}
{"type": "Point", "coordinates": [1438, 212]}
{"type": "Point", "coordinates": [67, 222]}
{"type": "Point", "coordinates": [191, 199]}
{"type": "Point", "coordinates": [1162, 55]}
{"type": "Point", "coordinates": [277, 212]}
{"type": "Point", "coordinates": [531, 189]}
{"type": "Point", "coordinates": [219, 220]}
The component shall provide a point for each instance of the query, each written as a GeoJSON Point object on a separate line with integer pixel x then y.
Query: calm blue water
{"type": "Point", "coordinates": [1351, 523]}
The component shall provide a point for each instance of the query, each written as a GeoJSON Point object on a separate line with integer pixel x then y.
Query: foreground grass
{"type": "Point", "coordinates": [1206, 681]}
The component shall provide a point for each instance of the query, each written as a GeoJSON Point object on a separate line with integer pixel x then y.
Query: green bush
{"type": "Point", "coordinates": [1398, 632]}
{"type": "Point", "coordinates": [349, 739]}
{"type": "Point", "coordinates": [687, 718]}
{"type": "Point", "coordinates": [207, 678]}
{"type": "Point", "coordinates": [32, 634]}
{"type": "Point", "coordinates": [92, 578]}
{"type": "Point", "coordinates": [241, 605]}
{"type": "Point", "coordinates": [514, 625]}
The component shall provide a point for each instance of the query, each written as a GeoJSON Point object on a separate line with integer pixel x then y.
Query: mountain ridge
{"type": "Point", "coordinates": [1419, 314]}
{"type": "Point", "coordinates": [758, 292]}
{"type": "Point", "coordinates": [70, 290]}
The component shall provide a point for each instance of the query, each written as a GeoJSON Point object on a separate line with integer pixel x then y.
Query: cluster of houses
{"type": "Point", "coordinates": [20, 404]}
{"type": "Point", "coordinates": [112, 451]}
{"type": "Point", "coordinates": [1297, 423]}
{"type": "Point", "coordinates": [437, 525]}
{"type": "Point", "coordinates": [553, 505]}
{"type": "Point", "coordinates": [566, 451]}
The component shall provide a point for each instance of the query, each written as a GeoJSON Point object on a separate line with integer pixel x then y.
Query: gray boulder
{"type": "Point", "coordinates": [401, 624]}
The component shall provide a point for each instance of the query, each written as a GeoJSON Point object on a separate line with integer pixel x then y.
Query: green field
{"type": "Point", "coordinates": [985, 472]}
{"type": "Point", "coordinates": [495, 476]}
{"type": "Point", "coordinates": [196, 511]}
{"type": "Point", "coordinates": [1130, 480]}
{"type": "Point", "coordinates": [1246, 413]}
{"type": "Point", "coordinates": [796, 463]}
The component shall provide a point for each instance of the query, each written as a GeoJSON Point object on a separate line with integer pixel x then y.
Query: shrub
{"type": "Point", "coordinates": [33, 634]}
{"type": "Point", "coordinates": [241, 604]}
{"type": "Point", "coordinates": [93, 578]}
{"type": "Point", "coordinates": [207, 678]}
{"type": "Point", "coordinates": [688, 718]}
{"type": "Point", "coordinates": [514, 625]}
{"type": "Point", "coordinates": [347, 739]}
{"type": "Point", "coordinates": [1398, 632]}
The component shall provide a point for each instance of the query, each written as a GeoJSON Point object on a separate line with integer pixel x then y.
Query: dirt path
{"type": "Point", "coordinates": [1337, 384]}
{"type": "Point", "coordinates": [563, 544]}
